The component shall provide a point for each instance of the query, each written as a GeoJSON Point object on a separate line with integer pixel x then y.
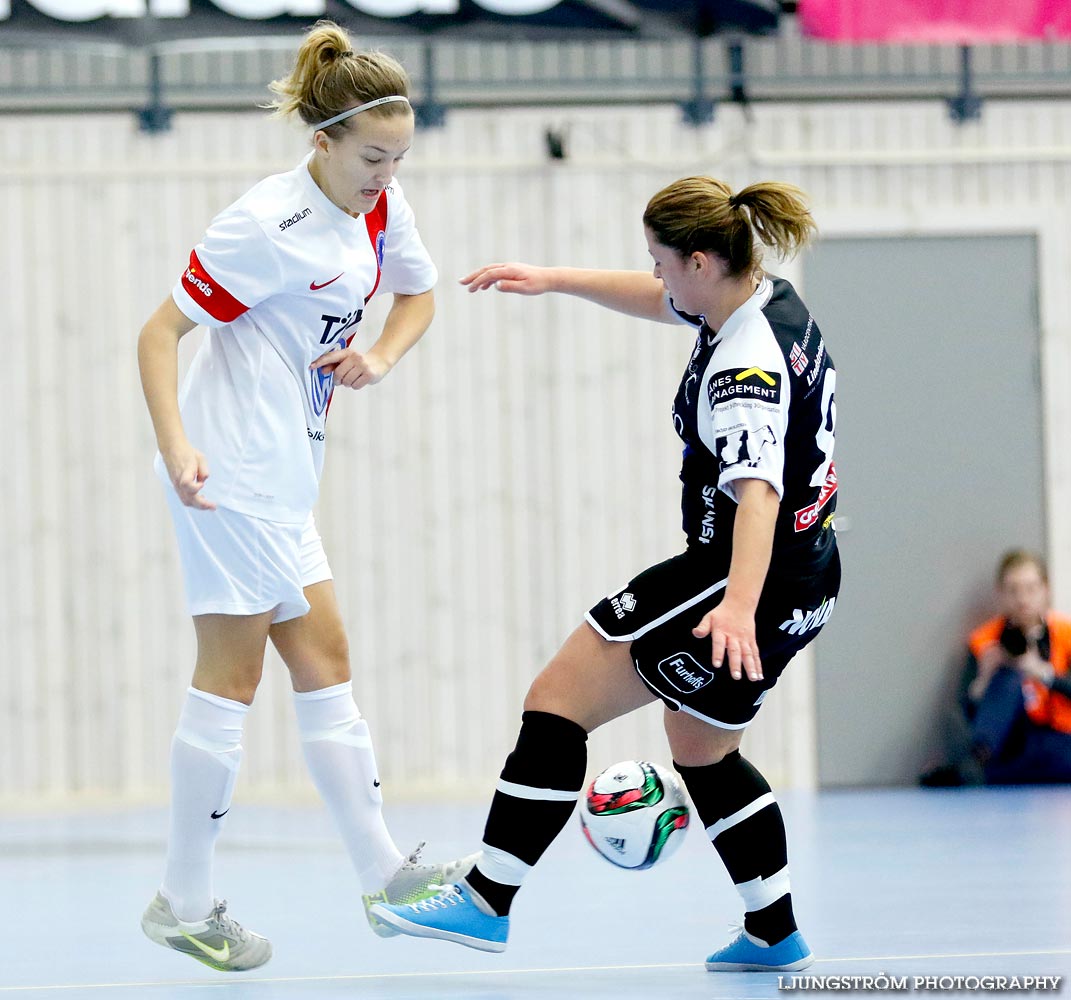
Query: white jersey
{"type": "Point", "coordinates": [281, 277]}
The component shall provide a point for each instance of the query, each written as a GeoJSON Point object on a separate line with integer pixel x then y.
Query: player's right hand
{"type": "Point", "coordinates": [732, 635]}
{"type": "Point", "coordinates": [187, 469]}
{"type": "Point", "coordinates": [524, 279]}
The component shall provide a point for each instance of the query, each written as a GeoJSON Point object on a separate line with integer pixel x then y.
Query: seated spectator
{"type": "Point", "coordinates": [1015, 692]}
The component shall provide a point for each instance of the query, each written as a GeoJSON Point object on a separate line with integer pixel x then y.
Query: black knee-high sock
{"type": "Point", "coordinates": [536, 795]}
{"type": "Point", "coordinates": [744, 822]}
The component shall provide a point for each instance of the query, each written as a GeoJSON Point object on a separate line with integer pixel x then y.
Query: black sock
{"type": "Point", "coordinates": [751, 845]}
{"type": "Point", "coordinates": [536, 795]}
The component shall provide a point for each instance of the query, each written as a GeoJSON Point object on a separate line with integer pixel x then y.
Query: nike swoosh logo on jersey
{"type": "Point", "coordinates": [216, 815]}
{"type": "Point", "coordinates": [216, 954]}
{"type": "Point", "coordinates": [315, 287]}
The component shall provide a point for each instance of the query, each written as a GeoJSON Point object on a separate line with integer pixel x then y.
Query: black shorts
{"type": "Point", "coordinates": [658, 609]}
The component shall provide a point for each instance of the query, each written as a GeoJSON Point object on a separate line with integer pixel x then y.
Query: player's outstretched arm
{"type": "Point", "coordinates": [634, 293]}
{"type": "Point", "coordinates": [158, 364]}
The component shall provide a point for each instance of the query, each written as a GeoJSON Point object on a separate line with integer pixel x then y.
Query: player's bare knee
{"type": "Point", "coordinates": [695, 743]}
{"type": "Point", "coordinates": [237, 685]}
{"type": "Point", "coordinates": [333, 657]}
{"type": "Point", "coordinates": [548, 694]}
{"type": "Point", "coordinates": [326, 666]}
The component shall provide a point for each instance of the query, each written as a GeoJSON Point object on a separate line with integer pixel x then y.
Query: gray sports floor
{"type": "Point", "coordinates": [903, 882]}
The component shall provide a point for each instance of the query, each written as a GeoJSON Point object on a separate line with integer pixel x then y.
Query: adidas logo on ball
{"type": "Point", "coordinates": [634, 814]}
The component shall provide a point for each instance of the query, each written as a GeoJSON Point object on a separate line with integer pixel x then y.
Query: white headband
{"type": "Point", "coordinates": [360, 107]}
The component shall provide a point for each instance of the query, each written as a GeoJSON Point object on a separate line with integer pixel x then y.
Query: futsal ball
{"type": "Point", "coordinates": [634, 814]}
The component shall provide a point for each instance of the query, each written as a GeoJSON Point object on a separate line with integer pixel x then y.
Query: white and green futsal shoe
{"type": "Point", "coordinates": [219, 941]}
{"type": "Point", "coordinates": [414, 882]}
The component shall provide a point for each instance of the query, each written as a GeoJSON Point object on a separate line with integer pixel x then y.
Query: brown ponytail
{"type": "Point", "coordinates": [329, 77]}
{"type": "Point", "coordinates": [702, 214]}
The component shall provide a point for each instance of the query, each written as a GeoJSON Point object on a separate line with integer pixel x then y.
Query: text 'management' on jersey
{"type": "Point", "coordinates": [744, 383]}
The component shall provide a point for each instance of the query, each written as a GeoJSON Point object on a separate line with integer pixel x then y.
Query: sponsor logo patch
{"type": "Point", "coordinates": [808, 515]}
{"type": "Point", "coordinates": [745, 445]}
{"type": "Point", "coordinates": [744, 383]}
{"type": "Point", "coordinates": [209, 294]}
{"type": "Point", "coordinates": [812, 375]}
{"type": "Point", "coordinates": [202, 285]}
{"type": "Point", "coordinates": [294, 219]}
{"type": "Point", "coordinates": [804, 621]}
{"type": "Point", "coordinates": [798, 359]}
{"type": "Point", "coordinates": [685, 673]}
{"type": "Point", "coordinates": [706, 529]}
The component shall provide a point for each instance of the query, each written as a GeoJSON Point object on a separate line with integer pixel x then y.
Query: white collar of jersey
{"type": "Point", "coordinates": [361, 107]}
{"type": "Point", "coordinates": [755, 303]}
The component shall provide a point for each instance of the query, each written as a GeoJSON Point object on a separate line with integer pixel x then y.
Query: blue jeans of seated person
{"type": "Point", "coordinates": [1023, 753]}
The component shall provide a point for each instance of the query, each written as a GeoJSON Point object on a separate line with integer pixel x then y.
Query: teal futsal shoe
{"type": "Point", "coordinates": [412, 882]}
{"type": "Point", "coordinates": [748, 954]}
{"type": "Point", "coordinates": [449, 916]}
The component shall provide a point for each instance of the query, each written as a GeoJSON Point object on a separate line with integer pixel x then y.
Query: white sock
{"type": "Point", "coordinates": [205, 755]}
{"type": "Point", "coordinates": [338, 751]}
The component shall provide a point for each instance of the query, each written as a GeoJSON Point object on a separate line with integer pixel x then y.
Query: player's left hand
{"type": "Point", "coordinates": [732, 633]}
{"type": "Point", "coordinates": [353, 369]}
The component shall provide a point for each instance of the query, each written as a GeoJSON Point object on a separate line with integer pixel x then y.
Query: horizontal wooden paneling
{"type": "Point", "coordinates": [516, 466]}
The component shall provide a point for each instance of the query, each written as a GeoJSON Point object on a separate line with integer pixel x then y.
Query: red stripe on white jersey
{"type": "Point", "coordinates": [376, 221]}
{"type": "Point", "coordinates": [212, 297]}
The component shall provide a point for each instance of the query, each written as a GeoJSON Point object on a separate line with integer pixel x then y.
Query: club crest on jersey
{"type": "Point", "coordinates": [744, 383]}
{"type": "Point", "coordinates": [321, 384]}
{"type": "Point", "coordinates": [381, 239]}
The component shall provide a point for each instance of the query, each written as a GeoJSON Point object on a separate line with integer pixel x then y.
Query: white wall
{"type": "Point", "coordinates": [517, 466]}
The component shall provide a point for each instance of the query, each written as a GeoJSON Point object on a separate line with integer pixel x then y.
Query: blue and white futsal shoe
{"type": "Point", "coordinates": [449, 916]}
{"type": "Point", "coordinates": [750, 954]}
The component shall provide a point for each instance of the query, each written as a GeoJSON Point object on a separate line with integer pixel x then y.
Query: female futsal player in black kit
{"type": "Point", "coordinates": [710, 630]}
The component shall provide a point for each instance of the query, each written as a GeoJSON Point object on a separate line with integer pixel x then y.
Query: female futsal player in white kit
{"type": "Point", "coordinates": [280, 280]}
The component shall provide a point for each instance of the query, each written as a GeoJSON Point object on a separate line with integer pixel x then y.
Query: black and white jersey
{"type": "Point", "coordinates": [757, 402]}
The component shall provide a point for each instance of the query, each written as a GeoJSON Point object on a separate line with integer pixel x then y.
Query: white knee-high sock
{"type": "Point", "coordinates": [338, 751]}
{"type": "Point", "coordinates": [205, 755]}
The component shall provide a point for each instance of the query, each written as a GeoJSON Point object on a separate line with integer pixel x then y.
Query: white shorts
{"type": "Point", "coordinates": [234, 564]}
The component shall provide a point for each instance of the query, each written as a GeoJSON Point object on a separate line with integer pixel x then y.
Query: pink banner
{"type": "Point", "coordinates": [953, 21]}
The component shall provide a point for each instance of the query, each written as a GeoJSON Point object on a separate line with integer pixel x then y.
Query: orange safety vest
{"type": "Point", "coordinates": [1045, 707]}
